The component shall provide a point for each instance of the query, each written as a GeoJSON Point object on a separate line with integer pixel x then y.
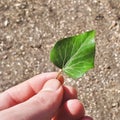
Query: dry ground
{"type": "Point", "coordinates": [29, 28]}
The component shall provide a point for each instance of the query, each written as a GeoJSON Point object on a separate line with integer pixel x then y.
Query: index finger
{"type": "Point", "coordinates": [25, 90]}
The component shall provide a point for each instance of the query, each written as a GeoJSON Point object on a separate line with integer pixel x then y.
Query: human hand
{"type": "Point", "coordinates": [41, 98]}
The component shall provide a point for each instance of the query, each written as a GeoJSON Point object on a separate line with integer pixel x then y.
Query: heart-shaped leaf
{"type": "Point", "coordinates": [75, 55]}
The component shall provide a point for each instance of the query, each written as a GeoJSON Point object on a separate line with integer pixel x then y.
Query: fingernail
{"type": "Point", "coordinates": [51, 85]}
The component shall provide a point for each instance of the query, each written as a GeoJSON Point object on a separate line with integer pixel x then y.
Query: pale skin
{"type": "Point", "coordinates": [41, 98]}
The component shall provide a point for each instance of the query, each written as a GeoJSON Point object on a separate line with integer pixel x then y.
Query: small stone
{"type": "Point", "coordinates": [114, 105]}
{"type": "Point", "coordinates": [17, 4]}
{"type": "Point", "coordinates": [6, 23]}
{"type": "Point", "coordinates": [5, 57]}
{"type": "Point", "coordinates": [108, 67]}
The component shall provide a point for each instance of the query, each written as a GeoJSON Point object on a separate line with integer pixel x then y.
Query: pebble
{"type": "Point", "coordinates": [6, 23]}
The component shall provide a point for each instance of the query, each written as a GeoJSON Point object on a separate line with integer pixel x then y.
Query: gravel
{"type": "Point", "coordinates": [29, 29]}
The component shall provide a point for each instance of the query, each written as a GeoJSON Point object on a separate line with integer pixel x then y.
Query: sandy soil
{"type": "Point", "coordinates": [28, 30]}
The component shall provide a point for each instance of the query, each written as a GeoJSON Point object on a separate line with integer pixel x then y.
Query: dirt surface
{"type": "Point", "coordinates": [28, 30]}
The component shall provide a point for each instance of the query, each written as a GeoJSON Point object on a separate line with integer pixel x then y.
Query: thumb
{"type": "Point", "coordinates": [43, 105]}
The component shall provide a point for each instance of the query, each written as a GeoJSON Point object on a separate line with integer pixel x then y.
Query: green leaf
{"type": "Point", "coordinates": [75, 55]}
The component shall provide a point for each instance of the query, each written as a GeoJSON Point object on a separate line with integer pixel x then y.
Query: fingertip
{"type": "Point", "coordinates": [75, 108]}
{"type": "Point", "coordinates": [71, 110]}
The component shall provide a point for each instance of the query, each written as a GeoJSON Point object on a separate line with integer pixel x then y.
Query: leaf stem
{"type": "Point", "coordinates": [59, 73]}
{"type": "Point", "coordinates": [60, 77]}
